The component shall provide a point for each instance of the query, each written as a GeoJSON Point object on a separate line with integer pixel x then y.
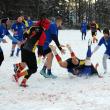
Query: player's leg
{"type": "Point", "coordinates": [18, 67]}
{"type": "Point", "coordinates": [87, 69]}
{"type": "Point", "coordinates": [30, 60]}
{"type": "Point", "coordinates": [105, 57]}
{"type": "Point", "coordinates": [95, 71]}
{"type": "Point", "coordinates": [85, 36]}
{"type": "Point", "coordinates": [18, 49]}
{"type": "Point", "coordinates": [89, 53]}
{"type": "Point", "coordinates": [1, 56]}
{"type": "Point", "coordinates": [82, 35]}
{"type": "Point", "coordinates": [13, 48]}
{"type": "Point", "coordinates": [48, 64]}
{"type": "Point", "coordinates": [32, 68]}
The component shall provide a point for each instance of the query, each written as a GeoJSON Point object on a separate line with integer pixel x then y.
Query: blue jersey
{"type": "Point", "coordinates": [53, 30]}
{"type": "Point", "coordinates": [106, 43]}
{"type": "Point", "coordinates": [30, 23]}
{"type": "Point", "coordinates": [84, 27]}
{"type": "Point", "coordinates": [3, 31]}
{"type": "Point", "coordinates": [19, 28]}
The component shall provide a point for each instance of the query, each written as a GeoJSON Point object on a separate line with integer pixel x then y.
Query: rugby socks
{"type": "Point", "coordinates": [12, 52]}
{"type": "Point", "coordinates": [44, 68]}
{"type": "Point", "coordinates": [58, 58]}
{"type": "Point", "coordinates": [49, 72]}
{"type": "Point", "coordinates": [89, 53]}
{"type": "Point", "coordinates": [18, 50]}
{"type": "Point", "coordinates": [22, 74]}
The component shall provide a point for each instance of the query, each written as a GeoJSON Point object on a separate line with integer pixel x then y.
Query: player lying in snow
{"type": "Point", "coordinates": [77, 66]}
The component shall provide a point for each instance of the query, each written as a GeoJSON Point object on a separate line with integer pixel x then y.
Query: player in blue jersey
{"type": "Point", "coordinates": [18, 28]}
{"type": "Point", "coordinates": [75, 65]}
{"type": "Point", "coordinates": [4, 31]}
{"type": "Point", "coordinates": [51, 35]}
{"type": "Point", "coordinates": [106, 41]}
{"type": "Point", "coordinates": [84, 29]}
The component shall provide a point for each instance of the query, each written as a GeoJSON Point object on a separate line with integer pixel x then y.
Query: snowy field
{"type": "Point", "coordinates": [63, 93]}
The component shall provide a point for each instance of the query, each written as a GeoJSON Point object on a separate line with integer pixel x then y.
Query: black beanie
{"type": "Point", "coordinates": [4, 20]}
{"type": "Point", "coordinates": [106, 31]}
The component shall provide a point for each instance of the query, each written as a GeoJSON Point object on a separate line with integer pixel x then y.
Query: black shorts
{"type": "Point", "coordinates": [94, 34]}
{"type": "Point", "coordinates": [30, 59]}
{"type": "Point", "coordinates": [45, 52]}
{"type": "Point", "coordinates": [70, 64]}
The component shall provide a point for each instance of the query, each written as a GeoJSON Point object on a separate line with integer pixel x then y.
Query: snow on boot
{"type": "Point", "coordinates": [50, 75]}
{"type": "Point", "coordinates": [53, 76]}
{"type": "Point", "coordinates": [43, 73]}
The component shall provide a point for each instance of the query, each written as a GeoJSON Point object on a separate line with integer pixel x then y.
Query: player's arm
{"type": "Point", "coordinates": [11, 37]}
{"type": "Point", "coordinates": [29, 33]}
{"type": "Point", "coordinates": [99, 29]}
{"type": "Point", "coordinates": [1, 37]}
{"type": "Point", "coordinates": [98, 46]}
{"type": "Point", "coordinates": [55, 39]}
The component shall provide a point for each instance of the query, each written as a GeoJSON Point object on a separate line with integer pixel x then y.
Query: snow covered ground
{"type": "Point", "coordinates": [63, 93]}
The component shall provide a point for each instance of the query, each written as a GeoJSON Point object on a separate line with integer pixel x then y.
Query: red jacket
{"type": "Point", "coordinates": [45, 23]}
